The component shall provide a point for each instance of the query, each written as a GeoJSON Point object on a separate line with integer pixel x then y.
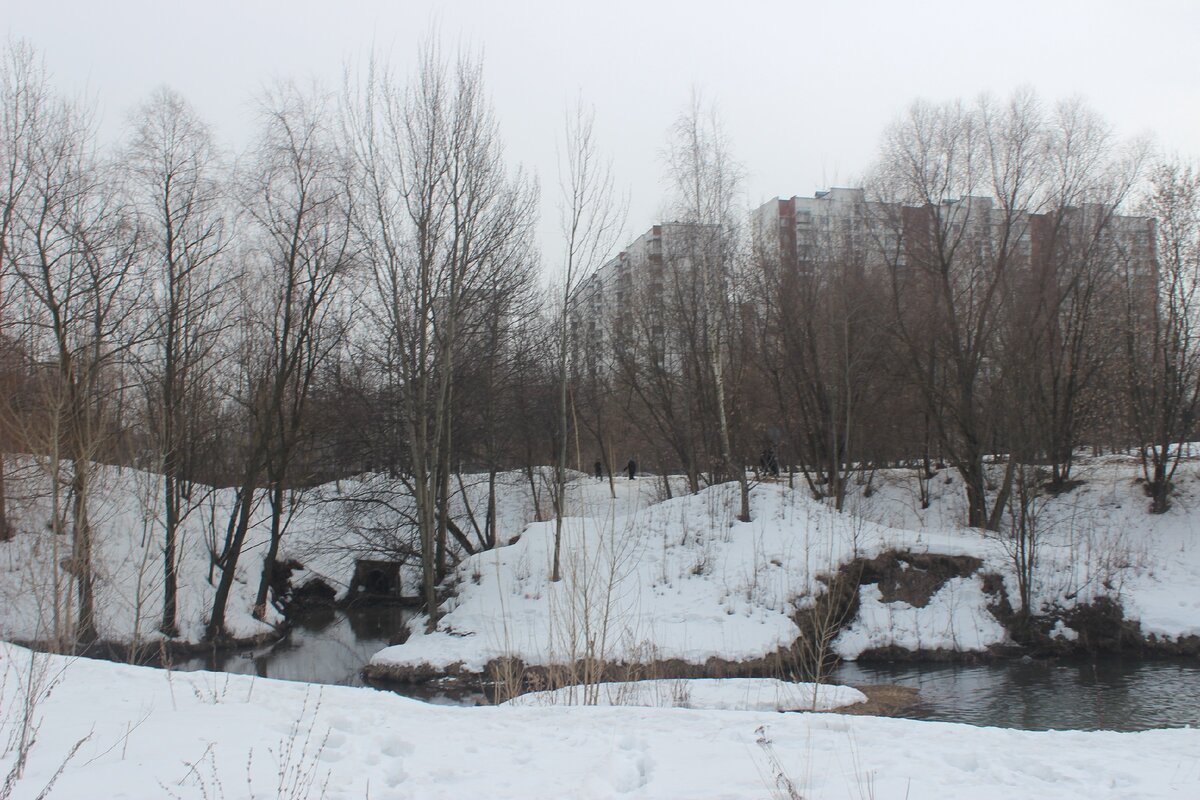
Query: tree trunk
{"type": "Point", "coordinates": [5, 531]}
{"type": "Point", "coordinates": [1159, 487]}
{"type": "Point", "coordinates": [169, 626]}
{"type": "Point", "coordinates": [268, 570]}
{"type": "Point", "coordinates": [215, 631]}
{"type": "Point", "coordinates": [976, 486]}
{"type": "Point", "coordinates": [490, 525]}
{"type": "Point", "coordinates": [81, 555]}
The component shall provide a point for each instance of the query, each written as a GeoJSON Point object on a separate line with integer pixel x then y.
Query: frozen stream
{"type": "Point", "coordinates": [331, 646]}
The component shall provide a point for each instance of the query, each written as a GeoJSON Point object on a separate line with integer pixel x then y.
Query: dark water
{"type": "Point", "coordinates": [1111, 694]}
{"type": "Point", "coordinates": [332, 645]}
{"type": "Point", "coordinates": [329, 646]}
{"type": "Point", "coordinates": [326, 645]}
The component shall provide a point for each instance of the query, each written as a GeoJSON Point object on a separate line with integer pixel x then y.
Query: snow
{"type": "Point", "coordinates": [127, 520]}
{"type": "Point", "coordinates": [643, 579]}
{"type": "Point", "coordinates": [1098, 539]}
{"type": "Point", "coordinates": [127, 560]}
{"type": "Point", "coordinates": [681, 579]}
{"type": "Point", "coordinates": [193, 735]}
{"type": "Point", "coordinates": [730, 694]}
{"type": "Point", "coordinates": [684, 579]}
{"type": "Point", "coordinates": [956, 619]}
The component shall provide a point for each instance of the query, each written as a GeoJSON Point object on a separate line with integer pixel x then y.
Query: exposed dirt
{"type": "Point", "coordinates": [155, 653]}
{"type": "Point", "coordinates": [902, 576]}
{"type": "Point", "coordinates": [912, 578]}
{"type": "Point", "coordinates": [884, 700]}
{"type": "Point", "coordinates": [519, 677]}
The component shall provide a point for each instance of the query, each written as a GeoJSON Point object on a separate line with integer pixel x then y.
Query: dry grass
{"type": "Point", "coordinates": [883, 700]}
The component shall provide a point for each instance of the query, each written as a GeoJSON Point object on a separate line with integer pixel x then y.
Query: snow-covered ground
{"type": "Point", "coordinates": [734, 694]}
{"type": "Point", "coordinates": [684, 579]}
{"type": "Point", "coordinates": [643, 580]}
{"type": "Point", "coordinates": [148, 733]}
{"type": "Point", "coordinates": [127, 562]}
{"type": "Point", "coordinates": [1097, 539]}
{"type": "Point", "coordinates": [333, 526]}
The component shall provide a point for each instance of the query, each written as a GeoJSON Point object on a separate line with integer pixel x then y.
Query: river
{"type": "Point", "coordinates": [330, 646]}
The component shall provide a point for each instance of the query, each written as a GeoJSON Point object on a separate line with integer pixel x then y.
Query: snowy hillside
{"type": "Point", "coordinates": [685, 580]}
{"type": "Point", "coordinates": [682, 579]}
{"type": "Point", "coordinates": [644, 580]}
{"type": "Point", "coordinates": [332, 526]}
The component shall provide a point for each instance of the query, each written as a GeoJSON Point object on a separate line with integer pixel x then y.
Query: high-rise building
{"type": "Point", "coordinates": [636, 293]}
{"type": "Point", "coordinates": [799, 233]}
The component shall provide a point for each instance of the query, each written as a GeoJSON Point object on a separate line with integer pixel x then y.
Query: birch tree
{"type": "Point", "coordinates": [591, 222]}
{"type": "Point", "coordinates": [706, 179]}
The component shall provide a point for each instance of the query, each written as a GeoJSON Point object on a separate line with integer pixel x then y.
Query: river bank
{"type": "Point", "coordinates": [138, 732]}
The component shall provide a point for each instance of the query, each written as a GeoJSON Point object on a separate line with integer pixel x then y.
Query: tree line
{"type": "Point", "coordinates": [360, 291]}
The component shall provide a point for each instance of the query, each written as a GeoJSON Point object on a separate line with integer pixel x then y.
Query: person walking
{"type": "Point", "coordinates": [631, 468]}
{"type": "Point", "coordinates": [599, 471]}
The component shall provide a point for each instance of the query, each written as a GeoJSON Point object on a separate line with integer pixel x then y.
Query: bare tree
{"type": "Point", "coordinates": [1162, 352]}
{"type": "Point", "coordinates": [172, 163]}
{"type": "Point", "coordinates": [74, 262]}
{"type": "Point", "coordinates": [439, 221]}
{"type": "Point", "coordinates": [705, 180]}
{"type": "Point", "coordinates": [822, 343]}
{"type": "Point", "coordinates": [24, 97]}
{"type": "Point", "coordinates": [1056, 329]}
{"type": "Point", "coordinates": [298, 205]}
{"type": "Point", "coordinates": [591, 222]}
{"type": "Point", "coordinates": [957, 187]}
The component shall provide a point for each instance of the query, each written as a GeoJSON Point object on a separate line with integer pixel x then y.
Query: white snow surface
{"type": "Point", "coordinates": [125, 512]}
{"type": "Point", "coordinates": [727, 694]}
{"type": "Point", "coordinates": [127, 521]}
{"type": "Point", "coordinates": [685, 579]}
{"type": "Point", "coordinates": [642, 579]}
{"type": "Point", "coordinates": [1097, 539]}
{"type": "Point", "coordinates": [956, 618]}
{"type": "Point", "coordinates": [152, 734]}
{"type": "Point", "coordinates": [681, 579]}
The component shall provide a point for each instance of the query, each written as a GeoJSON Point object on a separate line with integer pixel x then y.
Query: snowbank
{"type": "Point", "coordinates": [148, 733]}
{"type": "Point", "coordinates": [643, 580]}
{"type": "Point", "coordinates": [1097, 539]}
{"type": "Point", "coordinates": [955, 619]}
{"type": "Point", "coordinates": [126, 561]}
{"type": "Point", "coordinates": [728, 694]}
{"type": "Point", "coordinates": [680, 580]}
{"type": "Point", "coordinates": [333, 526]}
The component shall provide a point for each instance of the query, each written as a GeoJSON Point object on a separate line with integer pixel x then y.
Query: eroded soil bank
{"type": "Point", "coordinates": [1098, 628]}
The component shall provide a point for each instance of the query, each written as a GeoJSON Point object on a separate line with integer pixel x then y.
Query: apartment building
{"type": "Point", "coordinates": [636, 294]}
{"type": "Point", "coordinates": [799, 233]}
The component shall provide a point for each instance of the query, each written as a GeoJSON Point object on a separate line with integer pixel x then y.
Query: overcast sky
{"type": "Point", "coordinates": [805, 88]}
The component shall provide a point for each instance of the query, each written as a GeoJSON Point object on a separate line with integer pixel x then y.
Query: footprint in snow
{"type": "Point", "coordinates": [396, 748]}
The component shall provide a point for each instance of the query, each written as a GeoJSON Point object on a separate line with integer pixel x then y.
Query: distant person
{"type": "Point", "coordinates": [631, 468]}
{"type": "Point", "coordinates": [769, 463]}
{"type": "Point", "coordinates": [599, 471]}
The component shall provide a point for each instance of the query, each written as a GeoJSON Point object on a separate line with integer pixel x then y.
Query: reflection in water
{"type": "Point", "coordinates": [326, 645]}
{"type": "Point", "coordinates": [331, 646]}
{"type": "Point", "coordinates": [1112, 694]}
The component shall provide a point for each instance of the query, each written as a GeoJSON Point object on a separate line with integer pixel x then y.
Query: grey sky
{"type": "Point", "coordinates": [805, 88]}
